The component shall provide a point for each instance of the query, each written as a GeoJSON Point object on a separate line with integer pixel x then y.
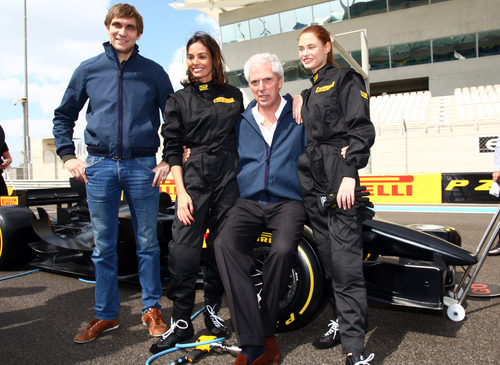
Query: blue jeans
{"type": "Point", "coordinates": [107, 178]}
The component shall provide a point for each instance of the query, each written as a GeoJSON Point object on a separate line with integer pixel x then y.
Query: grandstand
{"type": "Point", "coordinates": [474, 105]}
{"type": "Point", "coordinates": [419, 133]}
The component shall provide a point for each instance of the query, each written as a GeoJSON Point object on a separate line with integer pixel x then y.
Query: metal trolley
{"type": "Point", "coordinates": [454, 301]}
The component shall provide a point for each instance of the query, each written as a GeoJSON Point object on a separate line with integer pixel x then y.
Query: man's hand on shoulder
{"type": "Point", "coordinates": [186, 154]}
{"type": "Point", "coordinates": [76, 168]}
{"type": "Point", "coordinates": [297, 108]}
{"type": "Point", "coordinates": [161, 172]}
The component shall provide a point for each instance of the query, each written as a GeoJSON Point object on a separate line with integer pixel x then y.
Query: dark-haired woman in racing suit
{"type": "Point", "coordinates": [336, 114]}
{"type": "Point", "coordinates": [201, 117]}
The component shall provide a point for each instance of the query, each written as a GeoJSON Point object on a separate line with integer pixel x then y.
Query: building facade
{"type": "Point", "coordinates": [435, 45]}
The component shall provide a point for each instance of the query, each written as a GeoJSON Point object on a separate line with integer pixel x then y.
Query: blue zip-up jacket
{"type": "Point", "coordinates": [125, 101]}
{"type": "Point", "coordinates": [270, 171]}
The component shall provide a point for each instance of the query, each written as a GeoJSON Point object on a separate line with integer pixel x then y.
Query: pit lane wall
{"type": "Point", "coordinates": [416, 188]}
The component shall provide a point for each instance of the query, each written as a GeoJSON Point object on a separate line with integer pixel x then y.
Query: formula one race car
{"type": "Point", "coordinates": [406, 266]}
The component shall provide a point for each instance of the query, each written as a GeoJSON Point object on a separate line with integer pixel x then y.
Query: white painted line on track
{"type": "Point", "coordinates": [436, 209]}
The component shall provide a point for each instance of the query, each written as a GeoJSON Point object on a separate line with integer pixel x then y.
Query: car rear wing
{"type": "Point", "coordinates": [51, 196]}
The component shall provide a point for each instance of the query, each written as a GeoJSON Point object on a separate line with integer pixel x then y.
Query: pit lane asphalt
{"type": "Point", "coordinates": [41, 312]}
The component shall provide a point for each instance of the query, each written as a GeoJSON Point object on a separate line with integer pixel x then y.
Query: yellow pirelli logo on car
{"type": "Point", "coordinates": [221, 99]}
{"type": "Point", "coordinates": [321, 89]}
{"type": "Point", "coordinates": [9, 200]}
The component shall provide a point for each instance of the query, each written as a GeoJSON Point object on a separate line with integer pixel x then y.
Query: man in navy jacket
{"type": "Point", "coordinates": [269, 145]}
{"type": "Point", "coordinates": [126, 93]}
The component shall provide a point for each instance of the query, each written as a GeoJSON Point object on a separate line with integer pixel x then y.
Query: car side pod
{"type": "Point", "coordinates": [411, 283]}
{"type": "Point", "coordinates": [408, 267]}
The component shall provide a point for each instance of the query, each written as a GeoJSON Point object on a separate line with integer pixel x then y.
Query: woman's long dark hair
{"type": "Point", "coordinates": [218, 74]}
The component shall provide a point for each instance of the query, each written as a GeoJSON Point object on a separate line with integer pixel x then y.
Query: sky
{"type": "Point", "coordinates": [62, 34]}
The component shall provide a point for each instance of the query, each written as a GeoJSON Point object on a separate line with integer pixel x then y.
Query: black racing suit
{"type": "Point", "coordinates": [201, 117]}
{"type": "Point", "coordinates": [336, 114]}
{"type": "Point", "coordinates": [3, 148]}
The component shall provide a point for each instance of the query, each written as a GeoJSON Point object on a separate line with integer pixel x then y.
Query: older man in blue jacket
{"type": "Point", "coordinates": [269, 145]}
{"type": "Point", "coordinates": [126, 93]}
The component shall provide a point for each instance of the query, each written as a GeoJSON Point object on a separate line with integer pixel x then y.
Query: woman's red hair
{"type": "Point", "coordinates": [324, 36]}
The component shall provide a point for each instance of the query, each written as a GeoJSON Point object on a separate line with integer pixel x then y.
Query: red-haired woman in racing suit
{"type": "Point", "coordinates": [201, 117]}
{"type": "Point", "coordinates": [336, 114]}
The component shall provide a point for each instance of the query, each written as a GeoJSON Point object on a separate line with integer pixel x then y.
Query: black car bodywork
{"type": "Point", "coordinates": [402, 265]}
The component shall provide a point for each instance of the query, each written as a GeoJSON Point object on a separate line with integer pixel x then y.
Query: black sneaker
{"type": "Point", "coordinates": [330, 338]}
{"type": "Point", "coordinates": [179, 331]}
{"type": "Point", "coordinates": [359, 359]}
{"type": "Point", "coordinates": [215, 324]}
{"type": "Point", "coordinates": [495, 250]}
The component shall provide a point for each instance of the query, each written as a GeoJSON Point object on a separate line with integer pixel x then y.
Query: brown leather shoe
{"type": "Point", "coordinates": [261, 360]}
{"type": "Point", "coordinates": [94, 329]}
{"type": "Point", "coordinates": [152, 319]}
{"type": "Point", "coordinates": [272, 350]}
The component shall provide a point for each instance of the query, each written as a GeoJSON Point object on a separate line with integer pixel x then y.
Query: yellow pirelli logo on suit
{"type": "Point", "coordinates": [321, 89]}
{"type": "Point", "coordinates": [221, 99]}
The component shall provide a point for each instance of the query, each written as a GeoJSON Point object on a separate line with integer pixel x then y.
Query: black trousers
{"type": "Point", "coordinates": [339, 242]}
{"type": "Point", "coordinates": [233, 251]}
{"type": "Point", "coordinates": [210, 180]}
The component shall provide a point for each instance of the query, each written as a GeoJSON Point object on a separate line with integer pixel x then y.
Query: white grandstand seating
{"type": "Point", "coordinates": [473, 104]}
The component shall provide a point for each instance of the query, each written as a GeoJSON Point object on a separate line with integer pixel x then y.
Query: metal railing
{"type": "Point", "coordinates": [36, 184]}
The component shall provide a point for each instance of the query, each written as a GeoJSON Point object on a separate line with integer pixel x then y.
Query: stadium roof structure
{"type": "Point", "coordinates": [213, 7]}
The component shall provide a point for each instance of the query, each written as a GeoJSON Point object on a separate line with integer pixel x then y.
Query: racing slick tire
{"type": "Point", "coordinates": [16, 233]}
{"type": "Point", "coordinates": [446, 233]}
{"type": "Point", "coordinates": [449, 234]}
{"type": "Point", "coordinates": [304, 295]}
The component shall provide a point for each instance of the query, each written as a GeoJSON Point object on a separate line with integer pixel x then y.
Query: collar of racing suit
{"type": "Point", "coordinates": [321, 72]}
{"type": "Point", "coordinates": [207, 90]}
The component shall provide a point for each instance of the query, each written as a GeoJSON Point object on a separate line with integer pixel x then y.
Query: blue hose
{"type": "Point", "coordinates": [179, 346]}
{"type": "Point", "coordinates": [155, 356]}
{"type": "Point", "coordinates": [87, 281]}
{"type": "Point", "coordinates": [22, 274]}
{"type": "Point", "coordinates": [200, 311]}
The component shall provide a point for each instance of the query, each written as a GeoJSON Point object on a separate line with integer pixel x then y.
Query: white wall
{"type": "Point", "coordinates": [431, 150]}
